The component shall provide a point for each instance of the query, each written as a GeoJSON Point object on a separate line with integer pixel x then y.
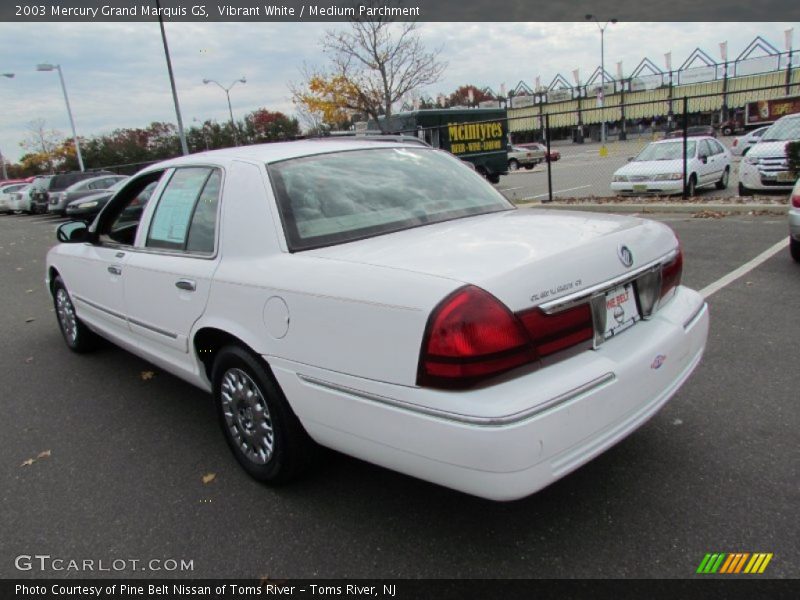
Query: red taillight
{"type": "Point", "coordinates": [471, 335]}
{"type": "Point", "coordinates": [671, 274]}
{"type": "Point", "coordinates": [735, 142]}
{"type": "Point", "coordinates": [552, 333]}
{"type": "Point", "coordinates": [796, 200]}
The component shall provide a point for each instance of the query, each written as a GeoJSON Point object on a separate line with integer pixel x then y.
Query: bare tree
{"type": "Point", "coordinates": [42, 141]}
{"type": "Point", "coordinates": [374, 64]}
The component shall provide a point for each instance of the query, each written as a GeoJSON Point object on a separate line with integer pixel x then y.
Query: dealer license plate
{"type": "Point", "coordinates": [621, 310]}
{"type": "Point", "coordinates": [639, 187]}
{"type": "Point", "coordinates": [786, 176]}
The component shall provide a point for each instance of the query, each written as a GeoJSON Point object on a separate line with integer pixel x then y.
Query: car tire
{"type": "Point", "coordinates": [513, 165]}
{"type": "Point", "coordinates": [723, 181]}
{"type": "Point", "coordinates": [261, 429]}
{"type": "Point", "coordinates": [529, 167]}
{"type": "Point", "coordinates": [727, 131]}
{"type": "Point", "coordinates": [744, 190]}
{"type": "Point", "coordinates": [691, 189]}
{"type": "Point", "coordinates": [794, 249]}
{"type": "Point", "coordinates": [493, 178]}
{"type": "Point", "coordinates": [78, 337]}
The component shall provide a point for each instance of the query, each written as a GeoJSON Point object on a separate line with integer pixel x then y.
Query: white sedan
{"type": "Point", "coordinates": [741, 145]}
{"type": "Point", "coordinates": [658, 169]}
{"type": "Point", "coordinates": [383, 300]}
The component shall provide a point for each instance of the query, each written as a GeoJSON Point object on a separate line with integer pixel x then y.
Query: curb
{"type": "Point", "coordinates": [663, 207]}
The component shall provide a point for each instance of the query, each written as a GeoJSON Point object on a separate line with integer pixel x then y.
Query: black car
{"type": "Point", "coordinates": [88, 207]}
{"type": "Point", "coordinates": [57, 183]}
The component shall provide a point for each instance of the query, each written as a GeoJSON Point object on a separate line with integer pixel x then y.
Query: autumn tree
{"type": "Point", "coordinates": [41, 144]}
{"type": "Point", "coordinates": [373, 64]}
{"type": "Point", "coordinates": [460, 97]}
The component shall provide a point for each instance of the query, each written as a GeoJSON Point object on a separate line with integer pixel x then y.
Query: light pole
{"type": "Point", "coordinates": [2, 158]}
{"type": "Point", "coordinates": [49, 67]}
{"type": "Point", "coordinates": [602, 29]}
{"type": "Point", "coordinates": [227, 91]}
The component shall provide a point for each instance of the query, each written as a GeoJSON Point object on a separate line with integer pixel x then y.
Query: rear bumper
{"type": "Point", "coordinates": [529, 431]}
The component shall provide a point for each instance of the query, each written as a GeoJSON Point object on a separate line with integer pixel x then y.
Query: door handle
{"type": "Point", "coordinates": [115, 270]}
{"type": "Point", "coordinates": [120, 254]}
{"type": "Point", "coordinates": [186, 284]}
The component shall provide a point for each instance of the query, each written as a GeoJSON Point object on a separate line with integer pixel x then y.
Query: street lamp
{"type": "Point", "coordinates": [227, 91]}
{"type": "Point", "coordinates": [602, 77]}
{"type": "Point", "coordinates": [49, 67]}
{"type": "Point", "coordinates": [2, 158]}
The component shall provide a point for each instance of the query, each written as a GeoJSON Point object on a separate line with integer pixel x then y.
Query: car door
{"type": "Point", "coordinates": [94, 271]}
{"type": "Point", "coordinates": [706, 163]}
{"type": "Point", "coordinates": [168, 276]}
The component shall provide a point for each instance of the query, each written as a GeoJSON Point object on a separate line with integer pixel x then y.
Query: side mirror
{"type": "Point", "coordinates": [703, 159]}
{"type": "Point", "coordinates": [73, 232]}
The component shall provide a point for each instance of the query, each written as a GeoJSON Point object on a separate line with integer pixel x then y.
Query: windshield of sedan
{"type": "Point", "coordinates": [666, 151]}
{"type": "Point", "coordinates": [783, 131]}
{"type": "Point", "coordinates": [345, 196]}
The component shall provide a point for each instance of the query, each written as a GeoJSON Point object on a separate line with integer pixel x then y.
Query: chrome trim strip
{"type": "Point", "coordinates": [163, 332]}
{"type": "Point", "coordinates": [695, 316]}
{"type": "Point", "coordinates": [100, 308]}
{"type": "Point", "coordinates": [565, 302]}
{"type": "Point", "coordinates": [468, 419]}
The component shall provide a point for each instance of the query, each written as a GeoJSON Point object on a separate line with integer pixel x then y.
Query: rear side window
{"type": "Point", "coordinates": [186, 215]}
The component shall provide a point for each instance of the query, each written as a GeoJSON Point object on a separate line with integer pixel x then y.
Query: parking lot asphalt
{"type": "Point", "coordinates": [120, 450]}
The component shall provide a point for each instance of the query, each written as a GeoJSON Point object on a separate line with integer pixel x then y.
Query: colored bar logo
{"type": "Point", "coordinates": [734, 563]}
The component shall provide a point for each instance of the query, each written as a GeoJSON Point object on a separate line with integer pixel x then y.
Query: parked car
{"type": "Point", "coordinates": [742, 144]}
{"type": "Point", "coordinates": [551, 156]}
{"type": "Point", "coordinates": [6, 189]}
{"type": "Point", "coordinates": [794, 222]}
{"type": "Point", "coordinates": [766, 167]}
{"type": "Point", "coordinates": [88, 207]}
{"type": "Point", "coordinates": [58, 200]}
{"type": "Point", "coordinates": [694, 131]}
{"type": "Point", "coordinates": [658, 169]}
{"type": "Point", "coordinates": [524, 157]}
{"type": "Point", "coordinates": [38, 193]}
{"type": "Point", "coordinates": [383, 300]}
{"type": "Point", "coordinates": [21, 200]}
{"type": "Point", "coordinates": [56, 183]}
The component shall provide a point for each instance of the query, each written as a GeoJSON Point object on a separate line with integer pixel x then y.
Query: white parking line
{"type": "Point", "coordinates": [562, 191]}
{"type": "Point", "coordinates": [744, 269]}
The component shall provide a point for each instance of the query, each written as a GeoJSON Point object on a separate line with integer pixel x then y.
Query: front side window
{"type": "Point", "coordinates": [340, 197]}
{"type": "Point", "coordinates": [119, 221]}
{"type": "Point", "coordinates": [186, 215]}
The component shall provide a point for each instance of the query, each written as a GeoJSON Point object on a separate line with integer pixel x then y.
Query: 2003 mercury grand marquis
{"type": "Point", "coordinates": [382, 299]}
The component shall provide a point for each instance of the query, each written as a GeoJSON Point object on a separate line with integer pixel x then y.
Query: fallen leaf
{"type": "Point", "coordinates": [748, 283]}
{"type": "Point", "coordinates": [45, 454]}
{"type": "Point", "coordinates": [30, 320]}
{"type": "Point", "coordinates": [29, 360]}
{"type": "Point", "coordinates": [20, 269]}
{"type": "Point", "coordinates": [28, 291]}
{"type": "Point", "coordinates": [209, 477]}
{"type": "Point", "coordinates": [677, 422]}
{"type": "Point", "coordinates": [145, 375]}
{"type": "Point", "coordinates": [28, 463]}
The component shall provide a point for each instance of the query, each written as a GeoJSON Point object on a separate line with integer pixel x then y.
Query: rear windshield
{"type": "Point", "coordinates": [345, 196]}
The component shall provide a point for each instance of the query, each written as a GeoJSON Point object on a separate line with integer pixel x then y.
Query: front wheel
{"type": "Point", "coordinates": [691, 189]}
{"type": "Point", "coordinates": [723, 181]}
{"type": "Point", "coordinates": [727, 131]}
{"type": "Point", "coordinates": [77, 335]}
{"type": "Point", "coordinates": [513, 165]}
{"type": "Point", "coordinates": [259, 425]}
{"type": "Point", "coordinates": [744, 190]}
{"type": "Point", "coordinates": [794, 249]}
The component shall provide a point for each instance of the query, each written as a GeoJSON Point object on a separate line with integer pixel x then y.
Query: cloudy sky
{"type": "Point", "coordinates": [116, 74]}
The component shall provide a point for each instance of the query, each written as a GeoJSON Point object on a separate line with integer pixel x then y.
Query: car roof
{"type": "Point", "coordinates": [278, 151]}
{"type": "Point", "coordinates": [679, 139]}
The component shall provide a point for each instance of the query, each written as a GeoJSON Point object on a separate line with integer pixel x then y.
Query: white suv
{"type": "Point", "coordinates": [766, 168]}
